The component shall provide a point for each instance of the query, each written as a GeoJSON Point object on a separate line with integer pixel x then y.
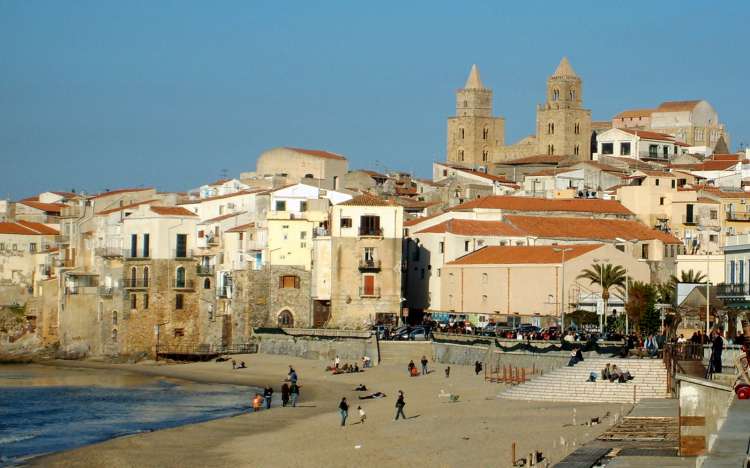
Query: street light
{"type": "Point", "coordinates": [562, 302]}
{"type": "Point", "coordinates": [601, 283]}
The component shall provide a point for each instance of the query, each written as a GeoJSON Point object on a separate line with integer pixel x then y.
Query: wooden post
{"type": "Point", "coordinates": [513, 454]}
{"type": "Point", "coordinates": [634, 394]}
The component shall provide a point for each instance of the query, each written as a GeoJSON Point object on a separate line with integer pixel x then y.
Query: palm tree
{"type": "Point", "coordinates": [607, 276]}
{"type": "Point", "coordinates": [689, 276]}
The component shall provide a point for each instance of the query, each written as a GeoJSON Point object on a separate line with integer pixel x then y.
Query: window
{"type": "Point", "coordinates": [369, 254]}
{"type": "Point", "coordinates": [146, 245]}
{"type": "Point", "coordinates": [713, 238]}
{"type": "Point", "coordinates": [674, 183]}
{"type": "Point", "coordinates": [133, 301]}
{"type": "Point", "coordinates": [133, 245]}
{"type": "Point", "coordinates": [32, 247]}
{"type": "Point", "coordinates": [303, 235]}
{"type": "Point", "coordinates": [181, 246]}
{"type": "Point", "coordinates": [653, 151]}
{"type": "Point", "coordinates": [460, 155]}
{"type": "Point", "coordinates": [309, 176]}
{"type": "Point", "coordinates": [550, 149]}
{"type": "Point", "coordinates": [289, 282]}
{"type": "Point", "coordinates": [485, 278]}
{"type": "Point", "coordinates": [620, 247]}
{"type": "Point", "coordinates": [608, 148]}
{"type": "Point", "coordinates": [461, 133]}
{"type": "Point", "coordinates": [572, 94]}
{"type": "Point", "coordinates": [440, 272]}
{"type": "Point", "coordinates": [303, 206]}
{"type": "Point", "coordinates": [242, 235]}
{"type": "Point", "coordinates": [555, 94]}
{"type": "Point", "coordinates": [665, 151]}
{"type": "Point", "coordinates": [577, 128]}
{"type": "Point", "coordinates": [346, 222]}
{"type": "Point", "coordinates": [466, 246]}
{"type": "Point", "coordinates": [207, 283]}
{"type": "Point", "coordinates": [178, 332]}
{"type": "Point", "coordinates": [714, 214]}
{"type": "Point", "coordinates": [369, 226]}
{"type": "Point", "coordinates": [114, 334]}
{"type": "Point", "coordinates": [551, 128]}
{"type": "Point", "coordinates": [179, 277]}
{"type": "Point", "coordinates": [145, 276]}
{"type": "Point", "coordinates": [280, 205]}
{"type": "Point", "coordinates": [145, 301]}
{"type": "Point", "coordinates": [114, 317]}
{"type": "Point", "coordinates": [368, 288]}
{"type": "Point", "coordinates": [485, 155]}
{"type": "Point", "coordinates": [576, 150]}
{"type": "Point", "coordinates": [644, 251]}
{"type": "Point", "coordinates": [661, 201]}
{"type": "Point", "coordinates": [656, 182]}
{"type": "Point", "coordinates": [485, 133]}
{"type": "Point", "coordinates": [178, 301]}
{"type": "Point", "coordinates": [286, 319]}
{"type": "Point", "coordinates": [133, 277]}
{"type": "Point", "coordinates": [625, 149]}
{"type": "Point", "coordinates": [442, 247]}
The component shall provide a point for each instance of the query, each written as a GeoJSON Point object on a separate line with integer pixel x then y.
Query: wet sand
{"type": "Point", "coordinates": [478, 430]}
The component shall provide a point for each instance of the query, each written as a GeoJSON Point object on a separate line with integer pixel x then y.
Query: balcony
{"type": "Point", "coordinates": [205, 270]}
{"type": "Point", "coordinates": [740, 216]}
{"type": "Point", "coordinates": [186, 285]}
{"type": "Point", "coordinates": [370, 264]}
{"type": "Point", "coordinates": [131, 254]}
{"type": "Point", "coordinates": [182, 253]}
{"type": "Point", "coordinates": [691, 220]}
{"type": "Point", "coordinates": [224, 292]}
{"type": "Point", "coordinates": [108, 252]}
{"type": "Point", "coordinates": [105, 291]}
{"type": "Point", "coordinates": [369, 292]}
{"type": "Point", "coordinates": [61, 239]}
{"type": "Point", "coordinates": [732, 290]}
{"type": "Point", "coordinates": [140, 283]}
{"type": "Point", "coordinates": [254, 245]}
{"type": "Point", "coordinates": [320, 232]}
{"type": "Point", "coordinates": [370, 232]}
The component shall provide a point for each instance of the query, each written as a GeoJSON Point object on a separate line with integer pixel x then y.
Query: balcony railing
{"type": "Point", "coordinates": [62, 239]}
{"type": "Point", "coordinates": [205, 270]}
{"type": "Point", "coordinates": [187, 284]}
{"type": "Point", "coordinates": [139, 283]}
{"type": "Point", "coordinates": [369, 292]}
{"type": "Point", "coordinates": [369, 264]}
{"type": "Point", "coordinates": [370, 232]}
{"type": "Point", "coordinates": [182, 253]}
{"type": "Point", "coordinates": [742, 216]}
{"type": "Point", "coordinates": [105, 291]}
{"type": "Point", "coordinates": [137, 254]}
{"type": "Point", "coordinates": [108, 252]}
{"type": "Point", "coordinates": [732, 290]}
{"type": "Point", "coordinates": [320, 232]}
{"type": "Point", "coordinates": [691, 220]}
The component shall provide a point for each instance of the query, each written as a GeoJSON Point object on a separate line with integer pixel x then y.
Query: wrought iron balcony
{"type": "Point", "coordinates": [186, 284]}
{"type": "Point", "coordinates": [205, 270]}
{"type": "Point", "coordinates": [369, 292]}
{"type": "Point", "coordinates": [370, 232]}
{"type": "Point", "coordinates": [182, 253]}
{"type": "Point", "coordinates": [136, 254]}
{"type": "Point", "coordinates": [138, 283]}
{"type": "Point", "coordinates": [369, 264]}
{"type": "Point", "coordinates": [732, 290]}
{"type": "Point", "coordinates": [741, 216]}
{"type": "Point", "coordinates": [108, 252]}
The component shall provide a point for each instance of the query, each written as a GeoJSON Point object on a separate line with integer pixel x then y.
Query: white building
{"type": "Point", "coordinates": [638, 144]}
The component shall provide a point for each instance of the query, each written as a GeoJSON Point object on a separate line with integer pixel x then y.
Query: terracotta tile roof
{"type": "Point", "coordinates": [222, 217]}
{"type": "Point", "coordinates": [634, 114]}
{"type": "Point", "coordinates": [708, 165]}
{"type": "Point", "coordinates": [587, 228]}
{"type": "Point", "coordinates": [46, 207]}
{"type": "Point", "coordinates": [603, 167]}
{"type": "Point", "coordinates": [172, 211]}
{"type": "Point", "coordinates": [26, 228]}
{"type": "Point", "coordinates": [366, 199]}
{"type": "Point", "coordinates": [726, 157]}
{"type": "Point", "coordinates": [119, 191]}
{"type": "Point", "coordinates": [317, 153]}
{"type": "Point", "coordinates": [649, 135]}
{"type": "Point", "coordinates": [518, 255]}
{"type": "Point", "coordinates": [471, 227]}
{"type": "Point", "coordinates": [219, 182]}
{"type": "Point", "coordinates": [545, 173]}
{"type": "Point", "coordinates": [724, 194]}
{"type": "Point", "coordinates": [651, 173]}
{"type": "Point", "coordinates": [538, 159]}
{"type": "Point", "coordinates": [677, 106]}
{"type": "Point", "coordinates": [419, 220]}
{"type": "Point", "coordinates": [124, 207]}
{"type": "Point", "coordinates": [483, 175]}
{"type": "Point", "coordinates": [241, 228]}
{"type": "Point", "coordinates": [705, 200]}
{"type": "Point", "coordinates": [577, 205]}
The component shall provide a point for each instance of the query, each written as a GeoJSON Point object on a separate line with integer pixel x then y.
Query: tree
{"type": "Point", "coordinates": [607, 276]}
{"type": "Point", "coordinates": [641, 306]}
{"type": "Point", "coordinates": [689, 276]}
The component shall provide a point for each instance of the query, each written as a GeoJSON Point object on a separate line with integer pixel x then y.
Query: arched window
{"type": "Point", "coordinates": [309, 176]}
{"type": "Point", "coordinates": [551, 128]}
{"type": "Point", "coordinates": [207, 283]}
{"type": "Point", "coordinates": [550, 149]}
{"type": "Point", "coordinates": [145, 277]}
{"type": "Point", "coordinates": [286, 319]}
{"type": "Point", "coordinates": [485, 133]}
{"type": "Point", "coordinates": [572, 94]}
{"type": "Point", "coordinates": [576, 150]}
{"type": "Point", "coordinates": [114, 334]}
{"type": "Point", "coordinates": [179, 277]}
{"type": "Point", "coordinates": [485, 155]}
{"type": "Point", "coordinates": [133, 277]}
{"type": "Point", "coordinates": [114, 317]}
{"type": "Point", "coordinates": [461, 133]}
{"type": "Point", "coordinates": [460, 155]}
{"type": "Point", "coordinates": [577, 128]}
{"type": "Point", "coordinates": [555, 94]}
{"type": "Point", "coordinates": [466, 103]}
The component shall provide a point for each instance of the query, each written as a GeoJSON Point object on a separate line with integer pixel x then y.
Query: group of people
{"type": "Point", "coordinates": [412, 368]}
{"type": "Point", "coordinates": [344, 406]}
{"type": "Point", "coordinates": [289, 393]}
{"type": "Point", "coordinates": [613, 374]}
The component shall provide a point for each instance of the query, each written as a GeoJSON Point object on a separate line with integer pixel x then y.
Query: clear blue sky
{"type": "Point", "coordinates": [105, 94]}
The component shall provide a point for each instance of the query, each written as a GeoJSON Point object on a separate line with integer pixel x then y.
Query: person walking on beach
{"type": "Point", "coordinates": [337, 362]}
{"type": "Point", "coordinates": [234, 364]}
{"type": "Point", "coordinates": [344, 411]}
{"type": "Point", "coordinates": [447, 372]}
{"type": "Point", "coordinates": [477, 367]}
{"type": "Point", "coordinates": [362, 415]}
{"type": "Point", "coordinates": [292, 375]}
{"type": "Point", "coordinates": [411, 368]}
{"type": "Point", "coordinates": [257, 402]}
{"type": "Point", "coordinates": [285, 394]}
{"type": "Point", "coordinates": [294, 393]}
{"type": "Point", "coordinates": [400, 403]}
{"type": "Point", "coordinates": [267, 395]}
{"type": "Point", "coordinates": [424, 365]}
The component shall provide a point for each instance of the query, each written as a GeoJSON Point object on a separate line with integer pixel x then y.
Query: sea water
{"type": "Point", "coordinates": [47, 409]}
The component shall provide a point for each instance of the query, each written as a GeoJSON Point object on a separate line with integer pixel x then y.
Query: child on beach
{"type": "Point", "coordinates": [285, 394]}
{"type": "Point", "coordinates": [362, 415]}
{"type": "Point", "coordinates": [447, 372]}
{"type": "Point", "coordinates": [257, 402]}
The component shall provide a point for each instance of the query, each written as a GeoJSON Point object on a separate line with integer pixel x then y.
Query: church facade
{"type": "Point", "coordinates": [476, 138]}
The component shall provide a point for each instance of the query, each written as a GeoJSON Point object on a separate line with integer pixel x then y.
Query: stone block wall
{"type": "Point", "coordinates": [349, 350]}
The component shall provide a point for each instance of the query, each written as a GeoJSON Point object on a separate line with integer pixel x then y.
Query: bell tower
{"type": "Point", "coordinates": [474, 134]}
{"type": "Point", "coordinates": [563, 125]}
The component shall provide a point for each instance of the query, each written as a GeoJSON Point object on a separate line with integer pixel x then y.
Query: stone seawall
{"type": "Point", "coordinates": [349, 349]}
{"type": "Point", "coordinates": [449, 353]}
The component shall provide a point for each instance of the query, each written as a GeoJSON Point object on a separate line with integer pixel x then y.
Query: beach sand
{"type": "Point", "coordinates": [478, 430]}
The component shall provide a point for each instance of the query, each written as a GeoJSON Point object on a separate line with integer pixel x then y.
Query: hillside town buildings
{"type": "Point", "coordinates": [499, 233]}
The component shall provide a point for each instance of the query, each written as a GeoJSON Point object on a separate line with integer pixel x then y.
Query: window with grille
{"type": "Point", "coordinates": [289, 282]}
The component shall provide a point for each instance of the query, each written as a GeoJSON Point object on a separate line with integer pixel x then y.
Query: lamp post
{"type": "Point", "coordinates": [708, 292]}
{"type": "Point", "coordinates": [562, 301]}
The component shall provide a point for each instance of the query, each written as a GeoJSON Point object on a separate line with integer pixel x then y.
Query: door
{"type": "Point", "coordinates": [146, 246]}
{"type": "Point", "coordinates": [181, 246]}
{"type": "Point", "coordinates": [226, 330]}
{"type": "Point", "coordinates": [133, 245]}
{"type": "Point", "coordinates": [369, 289]}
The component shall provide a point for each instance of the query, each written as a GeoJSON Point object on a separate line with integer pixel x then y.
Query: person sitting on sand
{"type": "Point", "coordinates": [360, 388]}
{"type": "Point", "coordinates": [373, 396]}
{"type": "Point", "coordinates": [242, 365]}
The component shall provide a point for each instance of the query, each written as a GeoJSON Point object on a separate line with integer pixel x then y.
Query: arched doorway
{"type": "Point", "coordinates": [286, 319]}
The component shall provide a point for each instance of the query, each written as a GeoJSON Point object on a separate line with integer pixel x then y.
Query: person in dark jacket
{"type": "Point", "coordinates": [267, 395]}
{"type": "Point", "coordinates": [717, 347]}
{"type": "Point", "coordinates": [285, 394]}
{"type": "Point", "coordinates": [477, 367]}
{"type": "Point", "coordinates": [400, 403]}
{"type": "Point", "coordinates": [344, 411]}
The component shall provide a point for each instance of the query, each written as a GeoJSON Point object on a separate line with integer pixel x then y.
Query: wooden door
{"type": "Point", "coordinates": [369, 285]}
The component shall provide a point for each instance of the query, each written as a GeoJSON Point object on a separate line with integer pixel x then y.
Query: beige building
{"type": "Point", "coordinates": [366, 244]}
{"type": "Point", "coordinates": [528, 282]}
{"type": "Point", "coordinates": [320, 168]}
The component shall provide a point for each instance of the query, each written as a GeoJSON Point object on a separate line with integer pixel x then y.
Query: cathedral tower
{"type": "Point", "coordinates": [563, 126]}
{"type": "Point", "coordinates": [474, 134]}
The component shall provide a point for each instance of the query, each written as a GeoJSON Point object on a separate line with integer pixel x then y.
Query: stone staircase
{"type": "Point", "coordinates": [569, 383]}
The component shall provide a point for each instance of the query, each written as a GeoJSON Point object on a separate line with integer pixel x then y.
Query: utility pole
{"type": "Point", "coordinates": [562, 301]}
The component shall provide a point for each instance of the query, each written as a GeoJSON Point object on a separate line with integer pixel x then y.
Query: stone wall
{"type": "Point", "coordinates": [349, 350]}
{"type": "Point", "coordinates": [466, 355]}
{"type": "Point", "coordinates": [703, 408]}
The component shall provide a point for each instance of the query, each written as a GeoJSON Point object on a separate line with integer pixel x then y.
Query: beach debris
{"type": "Point", "coordinates": [357, 446]}
{"type": "Point", "coordinates": [465, 438]}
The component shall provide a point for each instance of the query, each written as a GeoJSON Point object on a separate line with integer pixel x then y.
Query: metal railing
{"type": "Point", "coordinates": [137, 254]}
{"type": "Point", "coordinates": [108, 252]}
{"type": "Point", "coordinates": [732, 290]}
{"type": "Point", "coordinates": [105, 291]}
{"type": "Point", "coordinates": [205, 270]}
{"type": "Point", "coordinates": [369, 264]}
{"type": "Point", "coordinates": [738, 216]}
{"type": "Point", "coordinates": [138, 283]}
{"type": "Point", "coordinates": [62, 239]}
{"type": "Point", "coordinates": [674, 355]}
{"type": "Point", "coordinates": [182, 253]}
{"type": "Point", "coordinates": [369, 292]}
{"type": "Point", "coordinates": [370, 232]}
{"type": "Point", "coordinates": [183, 284]}
{"type": "Point", "coordinates": [224, 292]}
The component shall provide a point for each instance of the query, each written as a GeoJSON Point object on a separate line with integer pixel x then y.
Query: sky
{"type": "Point", "coordinates": [99, 95]}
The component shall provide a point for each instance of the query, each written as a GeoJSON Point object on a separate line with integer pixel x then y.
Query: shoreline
{"type": "Point", "coordinates": [476, 431]}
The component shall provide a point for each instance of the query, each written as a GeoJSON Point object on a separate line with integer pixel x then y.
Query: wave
{"type": "Point", "coordinates": [16, 438]}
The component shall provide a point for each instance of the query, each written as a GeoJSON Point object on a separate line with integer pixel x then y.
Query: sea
{"type": "Point", "coordinates": [45, 409]}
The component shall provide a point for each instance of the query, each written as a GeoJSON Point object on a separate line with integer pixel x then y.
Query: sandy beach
{"type": "Point", "coordinates": [478, 430]}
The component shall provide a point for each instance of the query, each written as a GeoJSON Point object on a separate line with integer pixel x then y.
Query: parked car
{"type": "Point", "coordinates": [419, 334]}
{"type": "Point", "coordinates": [527, 328]}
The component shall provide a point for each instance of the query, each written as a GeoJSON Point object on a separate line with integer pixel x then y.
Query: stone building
{"type": "Point", "coordinates": [323, 169]}
{"type": "Point", "coordinates": [474, 134]}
